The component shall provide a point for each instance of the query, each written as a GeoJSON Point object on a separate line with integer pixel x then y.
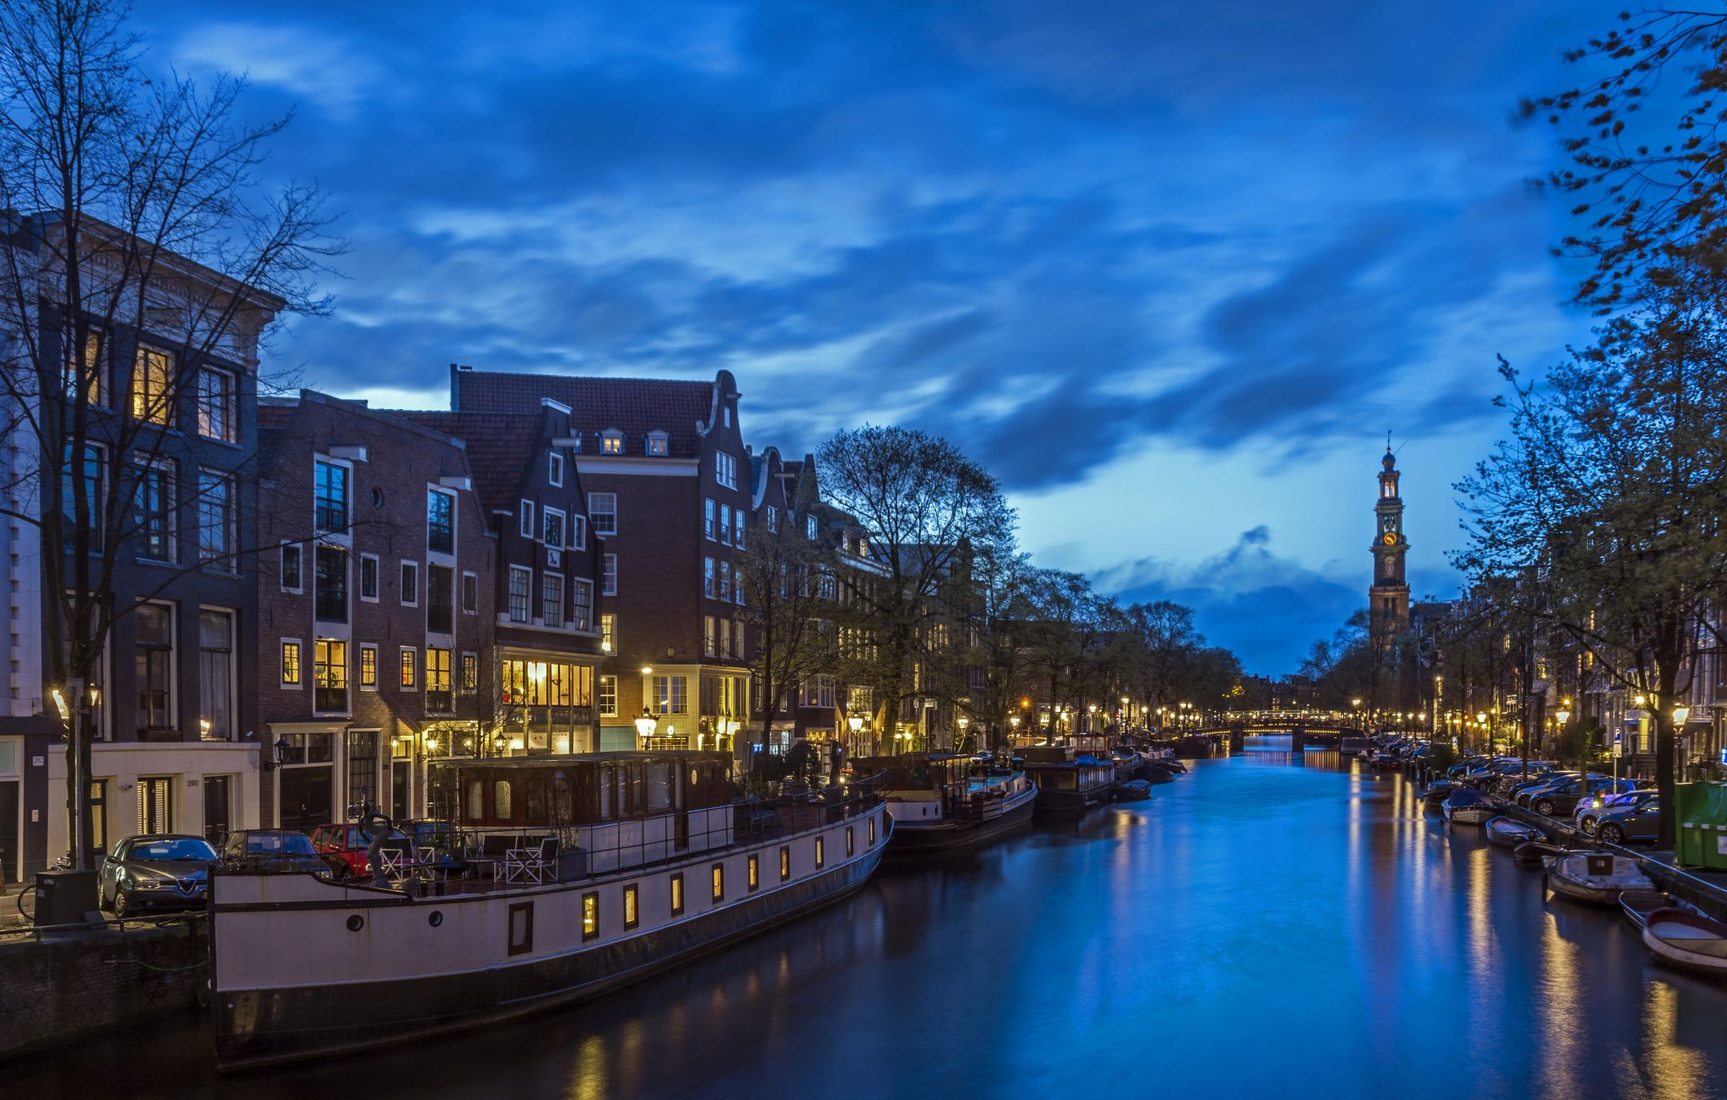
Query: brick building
{"type": "Point", "coordinates": [666, 473]}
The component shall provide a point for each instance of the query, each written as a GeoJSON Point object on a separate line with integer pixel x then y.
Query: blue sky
{"type": "Point", "coordinates": [1172, 271]}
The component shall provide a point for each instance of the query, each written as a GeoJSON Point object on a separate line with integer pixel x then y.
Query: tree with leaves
{"type": "Point", "coordinates": [926, 507]}
{"type": "Point", "coordinates": [137, 247]}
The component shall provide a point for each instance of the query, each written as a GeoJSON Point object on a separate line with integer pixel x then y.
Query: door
{"type": "Point", "coordinates": [399, 790]}
{"type": "Point", "coordinates": [217, 808]}
{"type": "Point", "coordinates": [9, 796]}
{"type": "Point", "coordinates": [305, 800]}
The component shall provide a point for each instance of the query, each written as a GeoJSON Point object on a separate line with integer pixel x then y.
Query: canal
{"type": "Point", "coordinates": [1264, 926]}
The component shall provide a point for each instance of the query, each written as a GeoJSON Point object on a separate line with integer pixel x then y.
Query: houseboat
{"type": "Point", "coordinates": [595, 871]}
{"type": "Point", "coordinates": [1069, 784]}
{"type": "Point", "coordinates": [941, 802]}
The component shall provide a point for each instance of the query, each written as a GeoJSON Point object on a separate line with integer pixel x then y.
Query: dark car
{"type": "Point", "coordinates": [345, 846]}
{"type": "Point", "coordinates": [168, 871]}
{"type": "Point", "coordinates": [272, 850]}
{"type": "Point", "coordinates": [1639, 822]}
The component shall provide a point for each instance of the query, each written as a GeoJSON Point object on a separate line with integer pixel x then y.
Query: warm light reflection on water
{"type": "Point", "coordinates": [1259, 927]}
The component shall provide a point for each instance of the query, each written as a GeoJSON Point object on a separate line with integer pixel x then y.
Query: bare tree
{"type": "Point", "coordinates": [789, 582]}
{"type": "Point", "coordinates": [137, 248]}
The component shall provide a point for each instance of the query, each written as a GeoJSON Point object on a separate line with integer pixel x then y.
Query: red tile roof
{"type": "Point", "coordinates": [634, 406]}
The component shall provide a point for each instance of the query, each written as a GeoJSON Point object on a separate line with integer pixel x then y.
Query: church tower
{"type": "Point", "coordinates": [1388, 597]}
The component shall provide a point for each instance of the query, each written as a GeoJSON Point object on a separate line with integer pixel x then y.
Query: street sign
{"type": "Point", "coordinates": [1619, 744]}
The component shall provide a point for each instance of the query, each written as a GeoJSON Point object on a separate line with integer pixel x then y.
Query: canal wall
{"type": "Point", "coordinates": [60, 988]}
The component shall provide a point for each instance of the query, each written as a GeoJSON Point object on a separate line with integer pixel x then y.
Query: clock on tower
{"type": "Point", "coordinates": [1388, 596]}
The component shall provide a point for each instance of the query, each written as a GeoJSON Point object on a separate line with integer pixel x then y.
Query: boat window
{"type": "Point", "coordinates": [785, 864]}
{"type": "Point", "coordinates": [638, 789]}
{"type": "Point", "coordinates": [755, 877]}
{"type": "Point", "coordinates": [521, 928]}
{"type": "Point", "coordinates": [501, 801]}
{"type": "Point", "coordinates": [632, 915]}
{"type": "Point", "coordinates": [536, 796]}
{"type": "Point", "coordinates": [607, 780]}
{"type": "Point", "coordinates": [821, 853]}
{"type": "Point", "coordinates": [677, 893]}
{"type": "Point", "coordinates": [872, 832]}
{"type": "Point", "coordinates": [718, 873]}
{"type": "Point", "coordinates": [563, 804]}
{"type": "Point", "coordinates": [590, 915]}
{"type": "Point", "coordinates": [659, 781]}
{"type": "Point", "coordinates": [851, 841]}
{"type": "Point", "coordinates": [476, 801]}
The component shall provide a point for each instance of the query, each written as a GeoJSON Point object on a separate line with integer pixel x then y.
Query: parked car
{"type": "Point", "coordinates": [1639, 822]}
{"type": "Point", "coordinates": [273, 850]}
{"type": "Point", "coordinates": [1606, 801]}
{"type": "Point", "coordinates": [345, 847]}
{"type": "Point", "coordinates": [165, 871]}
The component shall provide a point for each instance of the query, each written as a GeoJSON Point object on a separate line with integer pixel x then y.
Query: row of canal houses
{"type": "Point", "coordinates": [332, 595]}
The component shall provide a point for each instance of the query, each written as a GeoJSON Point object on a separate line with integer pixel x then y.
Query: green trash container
{"type": "Point", "coordinates": [1701, 818]}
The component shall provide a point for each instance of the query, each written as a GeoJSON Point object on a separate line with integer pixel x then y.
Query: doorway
{"type": "Point", "coordinates": [9, 798]}
{"type": "Point", "coordinates": [305, 800]}
{"type": "Point", "coordinates": [218, 807]}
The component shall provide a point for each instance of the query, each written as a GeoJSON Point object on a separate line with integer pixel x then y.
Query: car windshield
{"type": "Point", "coordinates": [163, 851]}
{"type": "Point", "coordinates": [297, 844]}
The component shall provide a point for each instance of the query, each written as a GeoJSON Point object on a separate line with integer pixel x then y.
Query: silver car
{"type": "Point", "coordinates": [168, 871]}
{"type": "Point", "coordinates": [1641, 822]}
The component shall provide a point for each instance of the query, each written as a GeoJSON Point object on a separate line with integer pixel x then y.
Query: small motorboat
{"type": "Point", "coordinates": [1433, 798]}
{"type": "Point", "coordinates": [1468, 807]}
{"type": "Point", "coordinates": [1595, 877]}
{"type": "Point", "coordinates": [1688, 940]}
{"type": "Point", "coordinates": [1535, 853]}
{"type": "Point", "coordinates": [1508, 832]}
{"type": "Point", "coordinates": [1638, 904]}
{"type": "Point", "coordinates": [1133, 790]}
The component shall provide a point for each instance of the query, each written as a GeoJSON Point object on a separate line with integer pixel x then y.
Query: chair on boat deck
{"type": "Point", "coordinates": [394, 861]}
{"type": "Point", "coordinates": [532, 865]}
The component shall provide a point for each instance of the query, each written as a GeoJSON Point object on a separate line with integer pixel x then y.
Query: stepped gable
{"type": "Point", "coordinates": [499, 446]}
{"type": "Point", "coordinates": [634, 406]}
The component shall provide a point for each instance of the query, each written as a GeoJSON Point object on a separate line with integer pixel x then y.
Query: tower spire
{"type": "Point", "coordinates": [1388, 595]}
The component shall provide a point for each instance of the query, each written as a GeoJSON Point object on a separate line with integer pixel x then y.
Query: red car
{"type": "Point", "coordinates": [345, 846]}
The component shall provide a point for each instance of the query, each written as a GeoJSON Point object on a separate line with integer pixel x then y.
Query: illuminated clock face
{"type": "Point", "coordinates": [1390, 538]}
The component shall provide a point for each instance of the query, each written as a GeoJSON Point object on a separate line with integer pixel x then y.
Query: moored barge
{"type": "Point", "coordinates": [1068, 784]}
{"type": "Point", "coordinates": [942, 802]}
{"type": "Point", "coordinates": [608, 868]}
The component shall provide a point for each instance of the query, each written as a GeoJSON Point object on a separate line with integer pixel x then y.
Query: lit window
{"type": "Point", "coordinates": [152, 384]}
{"type": "Point", "coordinates": [677, 893]}
{"type": "Point", "coordinates": [755, 877]}
{"type": "Point", "coordinates": [821, 853]}
{"type": "Point", "coordinates": [608, 696]}
{"type": "Point", "coordinates": [717, 873]}
{"type": "Point", "coordinates": [440, 699]}
{"type": "Point", "coordinates": [611, 442]}
{"type": "Point", "coordinates": [329, 674]}
{"type": "Point", "coordinates": [369, 667]}
{"type": "Point", "coordinates": [470, 672]}
{"type": "Point", "coordinates": [608, 632]}
{"type": "Point", "coordinates": [785, 864]}
{"type": "Point", "coordinates": [410, 667]}
{"type": "Point", "coordinates": [590, 916]}
{"type": "Point", "coordinates": [632, 913]}
{"type": "Point", "coordinates": [290, 664]}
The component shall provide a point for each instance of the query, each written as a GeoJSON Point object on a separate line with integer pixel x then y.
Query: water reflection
{"type": "Point", "coordinates": [1258, 926]}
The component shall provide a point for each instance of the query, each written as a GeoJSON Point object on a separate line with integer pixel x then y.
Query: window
{"type": "Point", "coordinates": [773, 520]}
{"type": "Point", "coordinates": [582, 604]}
{"type": "Point", "coordinates": [552, 600]}
{"type": "Point", "coordinates": [470, 593]}
{"type": "Point", "coordinates": [215, 675]}
{"type": "Point", "coordinates": [410, 584]}
{"type": "Point", "coordinates": [632, 912]}
{"type": "Point", "coordinates": [95, 491]}
{"type": "Point", "coordinates": [608, 632]}
{"type": "Point", "coordinates": [669, 694]}
{"type": "Point", "coordinates": [603, 513]}
{"type": "Point", "coordinates": [726, 469]}
{"type": "Point", "coordinates": [725, 637]}
{"type": "Point", "coordinates": [409, 662]}
{"type": "Point", "coordinates": [155, 795]}
{"type": "Point", "coordinates": [86, 376]}
{"type": "Point", "coordinates": [578, 532]}
{"type": "Point", "coordinates": [521, 928]}
{"type": "Point", "coordinates": [440, 698]}
{"type": "Point", "coordinates": [608, 696]}
{"type": "Point", "coordinates": [216, 533]}
{"type": "Point", "coordinates": [609, 575]}
{"type": "Point", "coordinates": [369, 577]}
{"type": "Point", "coordinates": [821, 853]}
{"type": "Point", "coordinates": [785, 864]}
{"type": "Point", "coordinates": [851, 842]}
{"type": "Point", "coordinates": [329, 674]}
{"type": "Point", "coordinates": [329, 496]}
{"type": "Point", "coordinates": [872, 832]}
{"type": "Point", "coordinates": [440, 522]}
{"type": "Point", "coordinates": [590, 915]}
{"type": "Point", "coordinates": [290, 567]}
{"type": "Point", "coordinates": [810, 527]}
{"type": "Point", "coordinates": [527, 525]}
{"type": "Point", "coordinates": [440, 599]}
{"type": "Point", "coordinates": [290, 664]}
{"type": "Point", "coordinates": [153, 640]}
{"type": "Point", "coordinates": [329, 584]}
{"type": "Point", "coordinates": [738, 528]}
{"type": "Point", "coordinates": [470, 673]}
{"type": "Point", "coordinates": [707, 636]}
{"type": "Point", "coordinates": [657, 443]}
{"type": "Point", "coordinates": [708, 577]}
{"type": "Point", "coordinates": [726, 524]}
{"type": "Point", "coordinates": [216, 405]}
{"type": "Point", "coordinates": [369, 667]}
{"type": "Point", "coordinates": [553, 527]}
{"type": "Point", "coordinates": [521, 585]}
{"type": "Point", "coordinates": [754, 876]}
{"type": "Point", "coordinates": [717, 876]}
{"type": "Point", "coordinates": [725, 582]}
{"type": "Point", "coordinates": [611, 442]}
{"type": "Point", "coordinates": [708, 513]}
{"type": "Point", "coordinates": [555, 469]}
{"type": "Point", "coordinates": [677, 893]}
{"type": "Point", "coordinates": [152, 386]}
{"type": "Point", "coordinates": [154, 514]}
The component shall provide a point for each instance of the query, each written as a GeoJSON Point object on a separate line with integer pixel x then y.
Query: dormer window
{"type": "Point", "coordinates": [657, 443]}
{"type": "Point", "coordinates": [555, 468]}
{"type": "Point", "coordinates": [611, 442]}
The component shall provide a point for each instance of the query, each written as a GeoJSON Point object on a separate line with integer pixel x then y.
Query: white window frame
{"type": "Point", "coordinates": [601, 693]}
{"type": "Point", "coordinates": [527, 528]}
{"type": "Point", "coordinates": [555, 469]}
{"type": "Point", "coordinates": [609, 575]}
{"type": "Point", "coordinates": [658, 444]}
{"type": "Point", "coordinates": [611, 442]}
{"type": "Point", "coordinates": [725, 525]}
{"type": "Point", "coordinates": [594, 513]}
{"type": "Point", "coordinates": [548, 582]}
{"type": "Point", "coordinates": [578, 531]}
{"type": "Point", "coordinates": [577, 621]}
{"type": "Point", "coordinates": [360, 667]}
{"type": "Point", "coordinates": [410, 594]}
{"type": "Point", "coordinates": [710, 512]}
{"type": "Point", "coordinates": [725, 469]}
{"type": "Point", "coordinates": [282, 666]}
{"type": "Point", "coordinates": [509, 594]}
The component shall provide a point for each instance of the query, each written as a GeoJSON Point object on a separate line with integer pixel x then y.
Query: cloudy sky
{"type": "Point", "coordinates": [1172, 271]}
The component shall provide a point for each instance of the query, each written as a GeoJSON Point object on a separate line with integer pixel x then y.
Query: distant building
{"type": "Point", "coordinates": [1388, 596]}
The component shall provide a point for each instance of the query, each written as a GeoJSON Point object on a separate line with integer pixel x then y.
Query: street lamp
{"type": "Point", "coordinates": [962, 722]}
{"type": "Point", "coordinates": [644, 728]}
{"type": "Point", "coordinates": [499, 743]}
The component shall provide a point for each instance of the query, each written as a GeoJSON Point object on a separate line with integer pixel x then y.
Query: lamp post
{"type": "Point", "coordinates": [1013, 721]}
{"type": "Point", "coordinates": [500, 744]}
{"type": "Point", "coordinates": [962, 722]}
{"type": "Point", "coordinates": [645, 724]}
{"type": "Point", "coordinates": [1481, 720]}
{"type": "Point", "coordinates": [1680, 714]}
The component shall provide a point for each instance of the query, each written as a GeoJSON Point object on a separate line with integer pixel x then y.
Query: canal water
{"type": "Point", "coordinates": [1267, 925]}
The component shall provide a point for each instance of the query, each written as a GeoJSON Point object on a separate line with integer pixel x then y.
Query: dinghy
{"type": "Point", "coordinates": [1595, 877]}
{"type": "Point", "coordinates": [1688, 940]}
